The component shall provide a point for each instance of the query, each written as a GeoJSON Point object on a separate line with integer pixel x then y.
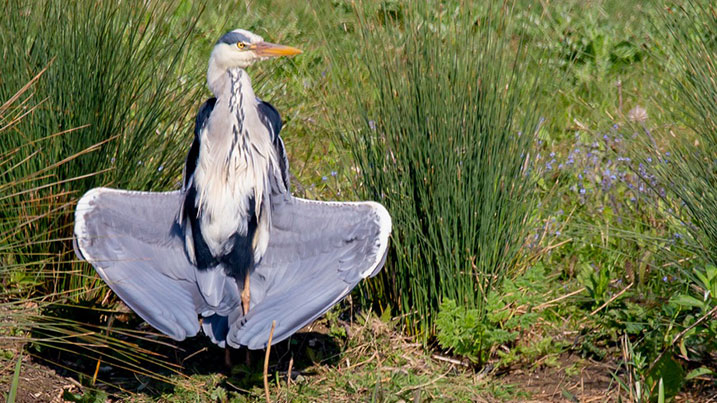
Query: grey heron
{"type": "Point", "coordinates": [233, 250]}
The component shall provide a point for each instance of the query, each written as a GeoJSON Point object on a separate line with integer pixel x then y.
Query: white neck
{"type": "Point", "coordinates": [215, 76]}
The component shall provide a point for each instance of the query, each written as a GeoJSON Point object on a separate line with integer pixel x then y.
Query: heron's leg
{"type": "Point", "coordinates": [227, 357]}
{"type": "Point", "coordinates": [246, 294]}
{"type": "Point", "coordinates": [245, 299]}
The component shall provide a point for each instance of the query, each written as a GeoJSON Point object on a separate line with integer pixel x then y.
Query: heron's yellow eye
{"type": "Point", "coordinates": [240, 45]}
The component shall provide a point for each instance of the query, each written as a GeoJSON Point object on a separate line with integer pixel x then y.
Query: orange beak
{"type": "Point", "coordinates": [268, 49]}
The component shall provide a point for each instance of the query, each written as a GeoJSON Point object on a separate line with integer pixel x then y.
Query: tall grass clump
{"type": "Point", "coordinates": [115, 84]}
{"type": "Point", "coordinates": [33, 317]}
{"type": "Point", "coordinates": [682, 159]}
{"type": "Point", "coordinates": [690, 173]}
{"type": "Point", "coordinates": [91, 94]}
{"type": "Point", "coordinates": [444, 124]}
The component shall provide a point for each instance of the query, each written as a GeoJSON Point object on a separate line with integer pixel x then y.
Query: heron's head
{"type": "Point", "coordinates": [241, 48]}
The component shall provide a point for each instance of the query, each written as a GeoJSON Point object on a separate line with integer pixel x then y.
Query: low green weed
{"type": "Point", "coordinates": [509, 317]}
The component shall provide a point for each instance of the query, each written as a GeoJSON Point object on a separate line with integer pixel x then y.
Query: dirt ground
{"type": "Point", "coordinates": [41, 383]}
{"type": "Point", "coordinates": [37, 382]}
{"type": "Point", "coordinates": [589, 381]}
{"type": "Point", "coordinates": [593, 383]}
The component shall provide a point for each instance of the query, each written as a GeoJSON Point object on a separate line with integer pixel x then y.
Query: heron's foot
{"type": "Point", "coordinates": [229, 363]}
{"type": "Point", "coordinates": [246, 295]}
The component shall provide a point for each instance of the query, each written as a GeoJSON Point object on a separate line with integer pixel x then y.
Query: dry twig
{"type": "Point", "coordinates": [288, 373]}
{"type": "Point", "coordinates": [712, 312]}
{"type": "Point", "coordinates": [266, 363]}
{"type": "Point", "coordinates": [423, 385]}
{"type": "Point", "coordinates": [560, 298]}
{"type": "Point", "coordinates": [448, 359]}
{"type": "Point", "coordinates": [614, 297]}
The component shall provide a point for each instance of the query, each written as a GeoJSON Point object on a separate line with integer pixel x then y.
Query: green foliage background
{"type": "Point", "coordinates": [598, 220]}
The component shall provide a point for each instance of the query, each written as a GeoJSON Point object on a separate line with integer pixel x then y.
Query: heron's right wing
{"type": "Point", "coordinates": [200, 122]}
{"type": "Point", "coordinates": [318, 252]}
{"type": "Point", "coordinates": [131, 239]}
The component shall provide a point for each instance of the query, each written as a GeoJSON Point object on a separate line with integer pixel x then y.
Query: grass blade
{"type": "Point", "coordinates": [15, 380]}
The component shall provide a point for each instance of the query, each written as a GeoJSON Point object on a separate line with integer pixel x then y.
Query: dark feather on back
{"type": "Point", "coordinates": [241, 256]}
{"type": "Point", "coordinates": [272, 120]}
{"type": "Point", "coordinates": [201, 120]}
{"type": "Point", "coordinates": [202, 254]}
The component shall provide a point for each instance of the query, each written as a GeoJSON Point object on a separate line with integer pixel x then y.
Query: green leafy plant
{"type": "Point", "coordinates": [461, 330]}
{"type": "Point", "coordinates": [509, 315]}
{"type": "Point", "coordinates": [92, 396]}
{"type": "Point", "coordinates": [694, 310]}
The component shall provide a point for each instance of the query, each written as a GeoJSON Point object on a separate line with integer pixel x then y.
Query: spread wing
{"type": "Point", "coordinates": [130, 239]}
{"type": "Point", "coordinates": [317, 253]}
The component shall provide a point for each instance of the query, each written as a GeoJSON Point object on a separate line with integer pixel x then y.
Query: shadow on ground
{"type": "Point", "coordinates": [123, 354]}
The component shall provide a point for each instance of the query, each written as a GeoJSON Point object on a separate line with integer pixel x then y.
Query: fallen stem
{"type": "Point", "coordinates": [614, 297]}
{"type": "Point", "coordinates": [423, 385]}
{"type": "Point", "coordinates": [562, 297]}
{"type": "Point", "coordinates": [448, 359]}
{"type": "Point", "coordinates": [712, 312]}
{"type": "Point", "coordinates": [288, 372]}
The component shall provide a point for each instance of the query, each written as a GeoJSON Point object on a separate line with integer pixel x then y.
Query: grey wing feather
{"type": "Point", "coordinates": [318, 252]}
{"type": "Point", "coordinates": [131, 239]}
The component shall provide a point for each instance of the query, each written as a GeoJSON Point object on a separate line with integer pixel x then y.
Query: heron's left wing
{"type": "Point", "coordinates": [318, 252]}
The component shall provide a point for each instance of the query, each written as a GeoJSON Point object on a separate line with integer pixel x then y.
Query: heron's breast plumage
{"type": "Point", "coordinates": [235, 160]}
